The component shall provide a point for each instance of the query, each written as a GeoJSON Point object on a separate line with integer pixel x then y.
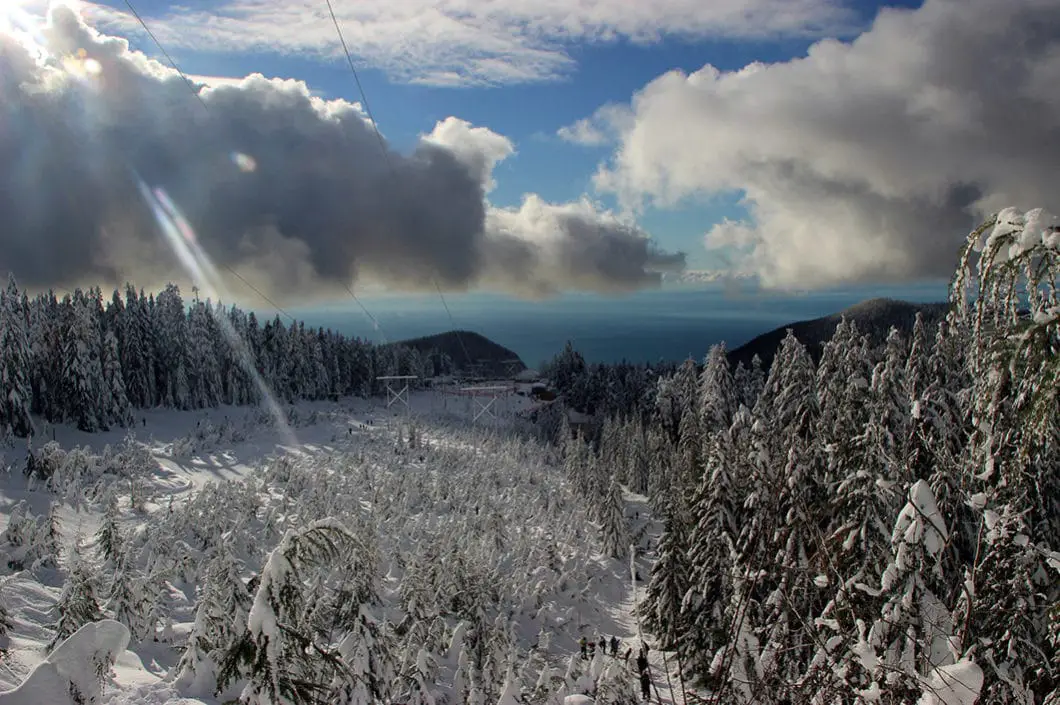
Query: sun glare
{"type": "Point", "coordinates": [23, 27]}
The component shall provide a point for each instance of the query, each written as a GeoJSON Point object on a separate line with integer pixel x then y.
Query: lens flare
{"type": "Point", "coordinates": [180, 236]}
{"type": "Point", "coordinates": [245, 162]}
{"type": "Point", "coordinates": [82, 68]}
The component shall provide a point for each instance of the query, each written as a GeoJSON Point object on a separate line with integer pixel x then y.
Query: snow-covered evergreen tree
{"type": "Point", "coordinates": [914, 631]}
{"type": "Point", "coordinates": [77, 603]}
{"type": "Point", "coordinates": [118, 409]}
{"type": "Point", "coordinates": [614, 529]}
{"type": "Point", "coordinates": [127, 601]}
{"type": "Point", "coordinates": [662, 608]}
{"type": "Point", "coordinates": [82, 375]}
{"type": "Point", "coordinates": [15, 358]}
{"type": "Point", "coordinates": [718, 396]}
{"type": "Point", "coordinates": [281, 663]}
{"type": "Point", "coordinates": [47, 543]}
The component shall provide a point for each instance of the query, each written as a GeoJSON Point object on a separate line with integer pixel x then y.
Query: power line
{"type": "Point", "coordinates": [259, 293]}
{"type": "Point", "coordinates": [386, 158]}
{"type": "Point", "coordinates": [367, 313]}
{"type": "Point", "coordinates": [191, 86]}
{"type": "Point", "coordinates": [459, 338]}
{"type": "Point", "coordinates": [360, 88]}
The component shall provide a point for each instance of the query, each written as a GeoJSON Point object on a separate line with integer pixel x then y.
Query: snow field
{"type": "Point", "coordinates": [463, 529]}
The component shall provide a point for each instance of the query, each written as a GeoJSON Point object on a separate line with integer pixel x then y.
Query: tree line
{"type": "Point", "coordinates": [83, 361]}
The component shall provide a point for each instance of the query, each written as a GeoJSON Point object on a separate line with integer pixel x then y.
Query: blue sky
{"type": "Point", "coordinates": [527, 112]}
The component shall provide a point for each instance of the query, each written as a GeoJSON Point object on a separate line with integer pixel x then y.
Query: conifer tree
{"type": "Point", "coordinates": [15, 388]}
{"type": "Point", "coordinates": [718, 396]}
{"type": "Point", "coordinates": [118, 410]}
{"type": "Point", "coordinates": [275, 654]}
{"type": "Point", "coordinates": [220, 624]}
{"type": "Point", "coordinates": [137, 359]}
{"type": "Point", "coordinates": [914, 627]}
{"type": "Point", "coordinates": [82, 376]}
{"type": "Point", "coordinates": [48, 539]}
{"type": "Point", "coordinates": [77, 603]}
{"type": "Point", "coordinates": [108, 537]}
{"type": "Point", "coordinates": [670, 582]}
{"type": "Point", "coordinates": [888, 410]}
{"type": "Point", "coordinates": [1011, 262]}
{"type": "Point", "coordinates": [127, 601]}
{"type": "Point", "coordinates": [45, 375]}
{"type": "Point", "coordinates": [614, 529]}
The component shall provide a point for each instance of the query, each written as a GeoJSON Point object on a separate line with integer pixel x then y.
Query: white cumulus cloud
{"type": "Point", "coordinates": [479, 148]}
{"type": "Point", "coordinates": [461, 42]}
{"type": "Point", "coordinates": [866, 160]}
{"type": "Point", "coordinates": [602, 127]}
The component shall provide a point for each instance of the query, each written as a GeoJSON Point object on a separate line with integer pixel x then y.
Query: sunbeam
{"type": "Point", "coordinates": [176, 231]}
{"type": "Point", "coordinates": [180, 237]}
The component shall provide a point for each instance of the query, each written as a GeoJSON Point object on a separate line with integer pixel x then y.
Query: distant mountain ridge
{"type": "Point", "coordinates": [874, 317]}
{"type": "Point", "coordinates": [486, 356]}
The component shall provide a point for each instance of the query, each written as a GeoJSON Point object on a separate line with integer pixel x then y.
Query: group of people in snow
{"type": "Point", "coordinates": [588, 649]}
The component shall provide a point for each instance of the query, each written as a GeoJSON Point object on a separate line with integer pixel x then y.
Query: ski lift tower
{"type": "Point", "coordinates": [400, 394]}
{"type": "Point", "coordinates": [490, 394]}
{"type": "Point", "coordinates": [397, 390]}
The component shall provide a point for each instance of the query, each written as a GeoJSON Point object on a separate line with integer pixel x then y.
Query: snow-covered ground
{"type": "Point", "coordinates": [354, 459]}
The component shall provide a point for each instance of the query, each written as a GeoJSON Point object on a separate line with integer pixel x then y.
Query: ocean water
{"type": "Point", "coordinates": [663, 324]}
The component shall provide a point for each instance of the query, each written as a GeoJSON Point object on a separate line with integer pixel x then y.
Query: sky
{"type": "Point", "coordinates": [525, 146]}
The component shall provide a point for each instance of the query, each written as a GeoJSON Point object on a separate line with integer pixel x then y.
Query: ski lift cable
{"type": "Point", "coordinates": [191, 86]}
{"type": "Point", "coordinates": [373, 319]}
{"type": "Point", "coordinates": [259, 293]}
{"type": "Point", "coordinates": [386, 157]}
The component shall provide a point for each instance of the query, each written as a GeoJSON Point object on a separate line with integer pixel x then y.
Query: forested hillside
{"type": "Point", "coordinates": [878, 527]}
{"type": "Point", "coordinates": [468, 351]}
{"type": "Point", "coordinates": [77, 359]}
{"type": "Point", "coordinates": [874, 318]}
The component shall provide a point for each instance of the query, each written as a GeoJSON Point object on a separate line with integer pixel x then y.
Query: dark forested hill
{"type": "Point", "coordinates": [874, 317]}
{"type": "Point", "coordinates": [486, 356]}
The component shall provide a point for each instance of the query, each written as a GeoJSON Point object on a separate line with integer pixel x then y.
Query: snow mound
{"type": "Point", "coordinates": [956, 684]}
{"type": "Point", "coordinates": [75, 671]}
{"type": "Point", "coordinates": [578, 700]}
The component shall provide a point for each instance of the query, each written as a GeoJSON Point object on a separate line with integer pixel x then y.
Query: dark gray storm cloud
{"type": "Point", "coordinates": [315, 206]}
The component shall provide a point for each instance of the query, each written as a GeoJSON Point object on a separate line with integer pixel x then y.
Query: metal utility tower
{"type": "Point", "coordinates": [402, 394]}
{"type": "Point", "coordinates": [492, 394]}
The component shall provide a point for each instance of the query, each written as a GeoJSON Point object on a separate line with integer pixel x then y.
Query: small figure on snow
{"type": "Point", "coordinates": [603, 646]}
{"type": "Point", "coordinates": [642, 669]}
{"type": "Point", "coordinates": [614, 646]}
{"type": "Point", "coordinates": [629, 652]}
{"type": "Point", "coordinates": [584, 647]}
